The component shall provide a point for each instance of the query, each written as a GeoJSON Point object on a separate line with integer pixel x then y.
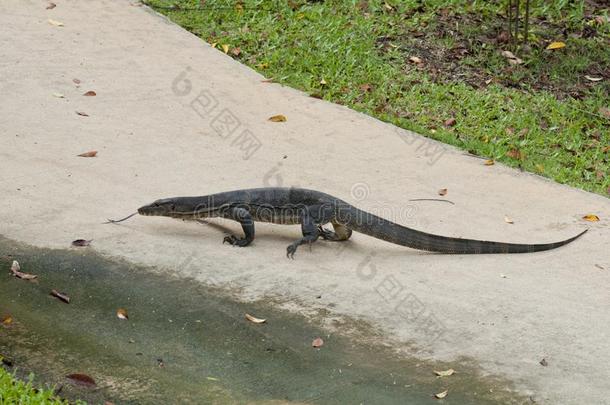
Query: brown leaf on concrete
{"type": "Point", "coordinates": [81, 242]}
{"type": "Point", "coordinates": [90, 93]}
{"type": "Point", "coordinates": [83, 114]}
{"type": "Point", "coordinates": [442, 191]}
{"type": "Point", "coordinates": [92, 153]}
{"type": "Point", "coordinates": [62, 296]}
{"type": "Point", "coordinates": [254, 319]}
{"type": "Point", "coordinates": [16, 271]}
{"type": "Point", "coordinates": [591, 218]}
{"type": "Point", "coordinates": [317, 342]}
{"type": "Point", "coordinates": [81, 379]}
{"type": "Point", "coordinates": [51, 6]}
{"type": "Point", "coordinates": [121, 313]}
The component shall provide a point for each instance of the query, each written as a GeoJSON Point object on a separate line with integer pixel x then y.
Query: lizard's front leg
{"type": "Point", "coordinates": [242, 216]}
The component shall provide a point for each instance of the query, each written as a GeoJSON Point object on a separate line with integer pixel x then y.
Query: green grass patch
{"type": "Point", "coordinates": [542, 115]}
{"type": "Point", "coordinates": [15, 391]}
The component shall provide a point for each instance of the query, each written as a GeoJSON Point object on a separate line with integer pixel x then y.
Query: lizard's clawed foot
{"type": "Point", "coordinates": [235, 241]}
{"type": "Point", "coordinates": [291, 250]}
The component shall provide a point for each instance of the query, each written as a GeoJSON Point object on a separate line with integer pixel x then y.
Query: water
{"type": "Point", "coordinates": [188, 343]}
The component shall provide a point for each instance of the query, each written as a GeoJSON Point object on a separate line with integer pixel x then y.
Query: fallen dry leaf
{"type": "Point", "coordinates": [450, 122]}
{"type": "Point", "coordinates": [236, 51]}
{"type": "Point", "coordinates": [317, 342]}
{"type": "Point", "coordinates": [51, 6]}
{"type": "Point", "coordinates": [254, 319]}
{"type": "Point", "coordinates": [593, 79]}
{"type": "Point", "coordinates": [515, 154]}
{"type": "Point", "coordinates": [544, 363]}
{"type": "Point", "coordinates": [81, 379]}
{"type": "Point", "coordinates": [84, 114]}
{"type": "Point", "coordinates": [441, 395]}
{"type": "Point", "coordinates": [225, 48]}
{"type": "Point", "coordinates": [92, 153]}
{"type": "Point", "coordinates": [7, 320]}
{"type": "Point", "coordinates": [591, 218]}
{"type": "Point", "coordinates": [556, 45]}
{"type": "Point", "coordinates": [90, 93]}
{"type": "Point", "coordinates": [278, 118]}
{"type": "Point", "coordinates": [605, 112]}
{"type": "Point", "coordinates": [445, 373]}
{"type": "Point", "coordinates": [416, 60]}
{"type": "Point", "coordinates": [512, 59]}
{"type": "Point", "coordinates": [489, 162]}
{"type": "Point", "coordinates": [16, 270]}
{"type": "Point", "coordinates": [62, 296]}
{"type": "Point", "coordinates": [322, 82]}
{"type": "Point", "coordinates": [508, 220]}
{"type": "Point", "coordinates": [58, 95]}
{"type": "Point", "coordinates": [366, 87]}
{"type": "Point", "coordinates": [81, 242]}
{"type": "Point", "coordinates": [270, 80]}
{"type": "Point", "coordinates": [56, 23]}
{"type": "Point", "coordinates": [442, 191]}
{"type": "Point", "coordinates": [121, 313]}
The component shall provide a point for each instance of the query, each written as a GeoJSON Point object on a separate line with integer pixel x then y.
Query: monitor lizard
{"type": "Point", "coordinates": [312, 209]}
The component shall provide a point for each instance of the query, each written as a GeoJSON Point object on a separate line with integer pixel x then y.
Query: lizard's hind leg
{"type": "Point", "coordinates": [341, 233]}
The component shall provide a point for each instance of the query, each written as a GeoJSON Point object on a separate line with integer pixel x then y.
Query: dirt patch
{"type": "Point", "coordinates": [467, 47]}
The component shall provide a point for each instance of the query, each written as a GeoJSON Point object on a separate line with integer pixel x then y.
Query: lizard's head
{"type": "Point", "coordinates": [179, 207]}
{"type": "Point", "coordinates": [166, 207]}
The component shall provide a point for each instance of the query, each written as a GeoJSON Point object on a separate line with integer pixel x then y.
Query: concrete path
{"type": "Point", "coordinates": [173, 116]}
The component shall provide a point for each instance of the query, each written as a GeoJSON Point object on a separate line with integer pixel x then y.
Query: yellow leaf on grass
{"type": "Point", "coordinates": [7, 320]}
{"type": "Point", "coordinates": [322, 82]}
{"type": "Point", "coordinates": [225, 48]}
{"type": "Point", "coordinates": [278, 118]}
{"type": "Point", "coordinates": [591, 218]}
{"type": "Point", "coordinates": [556, 45]}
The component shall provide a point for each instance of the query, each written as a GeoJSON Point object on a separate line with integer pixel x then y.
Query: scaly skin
{"type": "Point", "coordinates": [312, 209]}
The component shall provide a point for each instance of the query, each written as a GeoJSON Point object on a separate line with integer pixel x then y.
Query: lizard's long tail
{"type": "Point", "coordinates": [372, 225]}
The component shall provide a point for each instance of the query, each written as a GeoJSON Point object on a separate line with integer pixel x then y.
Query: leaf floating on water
{"type": "Point", "coordinates": [254, 319]}
{"type": "Point", "coordinates": [7, 320]}
{"type": "Point", "coordinates": [317, 342]}
{"type": "Point", "coordinates": [556, 45]}
{"type": "Point", "coordinates": [81, 379]}
{"type": "Point", "coordinates": [90, 93]}
{"type": "Point", "coordinates": [121, 313]}
{"type": "Point", "coordinates": [278, 118]}
{"type": "Point", "coordinates": [445, 373]}
{"type": "Point", "coordinates": [62, 296]}
{"type": "Point", "coordinates": [591, 218]}
{"type": "Point", "coordinates": [81, 242]}
{"type": "Point", "coordinates": [442, 191]}
{"type": "Point", "coordinates": [56, 23]}
{"type": "Point", "coordinates": [92, 153]}
{"type": "Point", "coordinates": [441, 395]}
{"type": "Point", "coordinates": [16, 270]}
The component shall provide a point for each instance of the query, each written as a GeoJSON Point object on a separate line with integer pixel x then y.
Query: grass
{"type": "Point", "coordinates": [542, 115]}
{"type": "Point", "coordinates": [15, 391]}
